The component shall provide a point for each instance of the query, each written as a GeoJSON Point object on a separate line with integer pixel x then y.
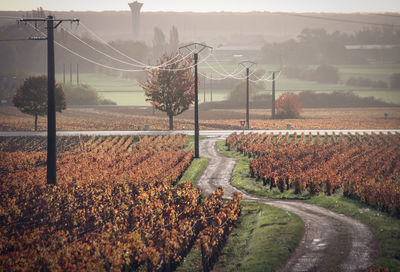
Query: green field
{"type": "Point", "coordinates": [128, 92]}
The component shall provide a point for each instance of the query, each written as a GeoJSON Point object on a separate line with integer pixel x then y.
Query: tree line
{"type": "Point", "coordinates": [317, 46]}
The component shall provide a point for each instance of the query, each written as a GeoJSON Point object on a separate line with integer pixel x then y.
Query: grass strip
{"type": "Point", "coordinates": [263, 240]}
{"type": "Point", "coordinates": [194, 170]}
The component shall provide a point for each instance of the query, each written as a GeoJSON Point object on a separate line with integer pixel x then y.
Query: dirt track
{"type": "Point", "coordinates": [330, 239]}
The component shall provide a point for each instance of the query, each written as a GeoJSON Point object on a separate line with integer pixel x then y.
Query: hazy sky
{"type": "Point", "coordinates": [210, 5]}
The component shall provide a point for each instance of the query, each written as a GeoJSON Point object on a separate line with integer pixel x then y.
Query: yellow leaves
{"type": "Point", "coordinates": [109, 209]}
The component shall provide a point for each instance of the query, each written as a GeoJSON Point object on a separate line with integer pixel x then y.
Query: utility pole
{"type": "Point", "coordinates": [51, 113]}
{"type": "Point", "coordinates": [211, 87]}
{"type": "Point", "coordinates": [77, 73]}
{"type": "Point", "coordinates": [247, 64]}
{"type": "Point", "coordinates": [273, 95]}
{"type": "Point", "coordinates": [204, 87]}
{"type": "Point", "coordinates": [64, 74]}
{"type": "Point", "coordinates": [70, 73]}
{"type": "Point", "coordinates": [197, 48]}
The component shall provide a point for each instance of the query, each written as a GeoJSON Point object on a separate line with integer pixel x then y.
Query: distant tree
{"type": "Point", "coordinates": [173, 40]}
{"type": "Point", "coordinates": [237, 96]}
{"type": "Point", "coordinates": [172, 90]}
{"type": "Point", "coordinates": [326, 74]}
{"type": "Point", "coordinates": [159, 43]}
{"type": "Point", "coordinates": [366, 82]}
{"type": "Point", "coordinates": [83, 94]}
{"type": "Point", "coordinates": [9, 82]}
{"type": "Point", "coordinates": [288, 105]}
{"type": "Point", "coordinates": [31, 97]}
{"type": "Point", "coordinates": [395, 81]}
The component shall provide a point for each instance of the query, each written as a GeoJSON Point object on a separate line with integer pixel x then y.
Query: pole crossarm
{"type": "Point", "coordinates": [198, 47]}
{"type": "Point", "coordinates": [247, 63]}
{"type": "Point", "coordinates": [48, 18]}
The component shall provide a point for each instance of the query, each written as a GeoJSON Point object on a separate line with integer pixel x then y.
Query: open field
{"type": "Point", "coordinates": [128, 92]}
{"type": "Point", "coordinates": [371, 71]}
{"type": "Point", "coordinates": [133, 118]}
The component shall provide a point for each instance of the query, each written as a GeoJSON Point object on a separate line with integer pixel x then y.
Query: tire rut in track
{"type": "Point", "coordinates": [329, 237]}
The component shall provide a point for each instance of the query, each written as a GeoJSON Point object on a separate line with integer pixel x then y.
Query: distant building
{"type": "Point", "coordinates": [238, 52]}
{"type": "Point", "coordinates": [135, 8]}
{"type": "Point", "coordinates": [370, 46]}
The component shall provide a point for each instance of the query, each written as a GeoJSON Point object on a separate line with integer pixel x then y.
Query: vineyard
{"type": "Point", "coordinates": [136, 119]}
{"type": "Point", "coordinates": [365, 167]}
{"type": "Point", "coordinates": [116, 206]}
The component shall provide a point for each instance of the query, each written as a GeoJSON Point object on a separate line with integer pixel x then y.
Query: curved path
{"type": "Point", "coordinates": [329, 237]}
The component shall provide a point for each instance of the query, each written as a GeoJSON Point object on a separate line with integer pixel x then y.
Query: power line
{"type": "Point", "coordinates": [169, 62]}
{"type": "Point", "coordinates": [130, 58]}
{"type": "Point", "coordinates": [386, 14]}
{"type": "Point", "coordinates": [337, 20]}
{"type": "Point", "coordinates": [234, 74]}
{"type": "Point", "coordinates": [120, 69]}
{"type": "Point", "coordinates": [13, 40]}
{"type": "Point", "coordinates": [4, 17]}
{"type": "Point", "coordinates": [231, 75]}
{"type": "Point", "coordinates": [110, 46]}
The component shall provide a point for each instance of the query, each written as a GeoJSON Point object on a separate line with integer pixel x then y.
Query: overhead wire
{"type": "Point", "coordinates": [130, 58]}
{"type": "Point", "coordinates": [162, 66]}
{"type": "Point", "coordinates": [110, 46]}
{"type": "Point", "coordinates": [268, 79]}
{"type": "Point", "coordinates": [159, 67]}
{"type": "Point", "coordinates": [336, 19]}
{"type": "Point", "coordinates": [171, 61]}
{"type": "Point", "coordinates": [230, 75]}
{"type": "Point", "coordinates": [222, 68]}
{"type": "Point", "coordinates": [4, 17]}
{"type": "Point", "coordinates": [121, 69]}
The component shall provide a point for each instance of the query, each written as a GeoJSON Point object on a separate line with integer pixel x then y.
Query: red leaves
{"type": "Point", "coordinates": [288, 105]}
{"type": "Point", "coordinates": [366, 167]}
{"type": "Point", "coordinates": [112, 208]}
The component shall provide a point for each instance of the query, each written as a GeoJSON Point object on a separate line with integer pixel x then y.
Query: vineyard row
{"type": "Point", "coordinates": [366, 167]}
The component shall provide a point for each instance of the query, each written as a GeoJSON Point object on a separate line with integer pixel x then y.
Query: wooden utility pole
{"type": "Point", "coordinates": [204, 88]}
{"type": "Point", "coordinates": [51, 113]}
{"type": "Point", "coordinates": [211, 88]}
{"type": "Point", "coordinates": [273, 96]}
{"type": "Point", "coordinates": [197, 48]}
{"type": "Point", "coordinates": [247, 64]}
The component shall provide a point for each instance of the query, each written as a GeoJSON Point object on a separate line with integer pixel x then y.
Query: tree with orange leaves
{"type": "Point", "coordinates": [288, 105]}
{"type": "Point", "coordinates": [170, 88]}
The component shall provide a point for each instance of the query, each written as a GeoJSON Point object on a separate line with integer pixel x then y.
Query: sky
{"type": "Point", "coordinates": [210, 5]}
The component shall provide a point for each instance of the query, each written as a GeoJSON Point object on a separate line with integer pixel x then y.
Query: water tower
{"type": "Point", "coordinates": [135, 8]}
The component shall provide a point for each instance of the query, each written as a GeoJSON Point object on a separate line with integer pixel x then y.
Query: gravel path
{"type": "Point", "coordinates": [329, 238]}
